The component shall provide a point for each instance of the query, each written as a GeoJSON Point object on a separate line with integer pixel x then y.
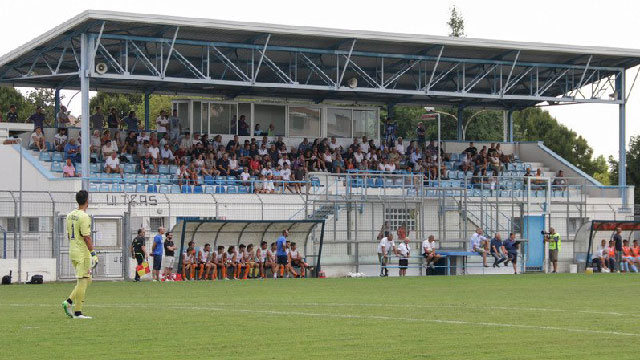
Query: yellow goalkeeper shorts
{"type": "Point", "coordinates": [82, 266]}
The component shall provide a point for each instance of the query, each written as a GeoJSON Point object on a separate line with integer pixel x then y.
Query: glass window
{"type": "Point", "coordinates": [339, 122]}
{"type": "Point", "coordinates": [244, 109]}
{"type": "Point", "coordinates": [34, 224]}
{"type": "Point", "coordinates": [183, 114]}
{"type": "Point", "coordinates": [365, 123]}
{"type": "Point", "coordinates": [205, 117]}
{"type": "Point", "coordinates": [271, 119]}
{"type": "Point", "coordinates": [304, 121]}
{"type": "Point", "coordinates": [222, 119]}
{"type": "Point", "coordinates": [197, 117]}
{"type": "Point", "coordinates": [11, 225]}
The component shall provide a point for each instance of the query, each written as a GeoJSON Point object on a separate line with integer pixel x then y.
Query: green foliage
{"type": "Point", "coordinates": [456, 23]}
{"type": "Point", "coordinates": [127, 102]}
{"type": "Point", "coordinates": [8, 96]}
{"type": "Point", "coordinates": [45, 98]}
{"type": "Point", "coordinates": [633, 167]}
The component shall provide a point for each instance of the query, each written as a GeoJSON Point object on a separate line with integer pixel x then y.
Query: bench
{"type": "Point", "coordinates": [446, 255]}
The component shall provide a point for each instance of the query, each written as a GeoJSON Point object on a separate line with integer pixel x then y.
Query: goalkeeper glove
{"type": "Point", "coordinates": [94, 259]}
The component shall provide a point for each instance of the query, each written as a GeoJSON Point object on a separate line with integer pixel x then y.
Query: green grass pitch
{"type": "Point", "coordinates": [463, 317]}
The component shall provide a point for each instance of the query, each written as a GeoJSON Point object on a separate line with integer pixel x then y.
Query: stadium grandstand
{"type": "Point", "coordinates": [283, 124]}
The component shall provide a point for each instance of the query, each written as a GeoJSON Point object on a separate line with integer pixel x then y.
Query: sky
{"type": "Point", "coordinates": [599, 23]}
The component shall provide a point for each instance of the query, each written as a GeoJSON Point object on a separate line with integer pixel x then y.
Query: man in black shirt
{"type": "Point", "coordinates": [421, 132]}
{"type": "Point", "coordinates": [112, 119]}
{"type": "Point", "coordinates": [472, 150]}
{"type": "Point", "coordinates": [12, 115]}
{"type": "Point", "coordinates": [138, 250]}
{"type": "Point", "coordinates": [169, 256]}
{"type": "Point", "coordinates": [131, 143]}
{"type": "Point", "coordinates": [617, 238]}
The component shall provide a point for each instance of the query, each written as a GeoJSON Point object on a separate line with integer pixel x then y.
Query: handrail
{"type": "Point", "coordinates": [568, 164]}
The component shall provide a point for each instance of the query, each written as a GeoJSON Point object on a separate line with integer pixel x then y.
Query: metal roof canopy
{"type": "Point", "coordinates": [176, 55]}
{"type": "Point", "coordinates": [234, 232]}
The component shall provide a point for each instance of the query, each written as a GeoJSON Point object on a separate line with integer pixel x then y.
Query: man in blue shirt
{"type": "Point", "coordinates": [156, 250]}
{"type": "Point", "coordinates": [281, 252]}
{"type": "Point", "coordinates": [72, 151]}
{"type": "Point", "coordinates": [131, 121]}
{"type": "Point", "coordinates": [497, 250]}
{"type": "Point", "coordinates": [511, 245]}
{"type": "Point", "coordinates": [37, 118]}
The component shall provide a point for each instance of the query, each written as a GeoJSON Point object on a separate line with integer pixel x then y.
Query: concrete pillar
{"type": "Point", "coordinates": [85, 50]}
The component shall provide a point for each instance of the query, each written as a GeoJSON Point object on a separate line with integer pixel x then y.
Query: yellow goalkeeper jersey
{"type": "Point", "coordinates": [78, 226]}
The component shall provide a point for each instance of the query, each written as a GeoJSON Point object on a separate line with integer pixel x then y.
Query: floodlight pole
{"type": "Point", "coordinates": [85, 154]}
{"type": "Point", "coordinates": [439, 152]}
{"type": "Point", "coordinates": [622, 137]}
{"type": "Point", "coordinates": [19, 222]}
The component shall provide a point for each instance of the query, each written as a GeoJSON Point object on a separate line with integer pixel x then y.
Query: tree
{"type": "Point", "coordinates": [128, 102]}
{"type": "Point", "coordinates": [456, 23]}
{"type": "Point", "coordinates": [9, 96]}
{"type": "Point", "coordinates": [633, 166]}
{"type": "Point", "coordinates": [45, 98]}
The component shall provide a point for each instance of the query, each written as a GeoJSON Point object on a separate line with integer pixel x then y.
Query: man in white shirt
{"type": "Point", "coordinates": [60, 140]}
{"type": "Point", "coordinates": [404, 251]}
{"type": "Point", "coordinates": [286, 176]}
{"type": "Point", "coordinates": [108, 149]}
{"type": "Point", "coordinates": [358, 156]}
{"type": "Point", "coordinates": [112, 165]}
{"type": "Point", "coordinates": [385, 246]}
{"type": "Point", "coordinates": [37, 140]}
{"type": "Point", "coordinates": [429, 251]}
{"type": "Point", "coordinates": [154, 150]}
{"type": "Point", "coordinates": [400, 145]}
{"type": "Point", "coordinates": [162, 122]}
{"type": "Point", "coordinates": [166, 154]}
{"type": "Point", "coordinates": [602, 255]}
{"type": "Point", "coordinates": [142, 138]}
{"type": "Point", "coordinates": [333, 145]}
{"type": "Point", "coordinates": [480, 244]}
{"type": "Point", "coordinates": [365, 145]}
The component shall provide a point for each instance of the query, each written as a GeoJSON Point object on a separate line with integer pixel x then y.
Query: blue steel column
{"type": "Point", "coordinates": [56, 107]}
{"type": "Point", "coordinates": [622, 148]}
{"type": "Point", "coordinates": [460, 121]}
{"type": "Point", "coordinates": [510, 121]}
{"type": "Point", "coordinates": [84, 124]}
{"type": "Point", "coordinates": [146, 111]}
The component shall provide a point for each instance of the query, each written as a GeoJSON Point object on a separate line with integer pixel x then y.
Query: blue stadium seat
{"type": "Point", "coordinates": [219, 180]}
{"type": "Point", "coordinates": [116, 188]}
{"type": "Point", "coordinates": [209, 189]}
{"type": "Point", "coordinates": [57, 156]}
{"type": "Point", "coordinates": [129, 168]}
{"type": "Point", "coordinates": [44, 156]}
{"type": "Point", "coordinates": [175, 189]}
{"type": "Point", "coordinates": [153, 179]}
{"type": "Point", "coordinates": [232, 189]}
{"type": "Point", "coordinates": [379, 182]}
{"type": "Point", "coordinates": [141, 179]}
{"type": "Point", "coordinates": [129, 158]}
{"type": "Point", "coordinates": [197, 189]}
{"type": "Point", "coordinates": [185, 189]}
{"type": "Point", "coordinates": [220, 189]}
{"type": "Point", "coordinates": [95, 168]}
{"type": "Point", "coordinates": [371, 183]}
{"type": "Point", "coordinates": [152, 188]}
{"type": "Point", "coordinates": [141, 188]}
{"type": "Point", "coordinates": [455, 156]}
{"type": "Point", "coordinates": [104, 188]}
{"type": "Point", "coordinates": [208, 180]}
{"type": "Point", "coordinates": [129, 179]}
{"type": "Point", "coordinates": [163, 189]}
{"type": "Point", "coordinates": [129, 188]}
{"type": "Point", "coordinates": [56, 166]}
{"type": "Point", "coordinates": [163, 169]}
{"type": "Point", "coordinates": [164, 179]}
{"type": "Point", "coordinates": [243, 189]}
{"type": "Point", "coordinates": [93, 187]}
{"type": "Point", "coordinates": [173, 169]}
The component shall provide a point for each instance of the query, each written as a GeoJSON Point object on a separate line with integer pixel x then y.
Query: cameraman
{"type": "Point", "coordinates": [554, 241]}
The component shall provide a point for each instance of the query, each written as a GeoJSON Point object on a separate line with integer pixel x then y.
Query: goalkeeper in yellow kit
{"type": "Point", "coordinates": [83, 256]}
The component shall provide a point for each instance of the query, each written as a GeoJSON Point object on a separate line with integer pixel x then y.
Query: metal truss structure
{"type": "Point", "coordinates": [113, 51]}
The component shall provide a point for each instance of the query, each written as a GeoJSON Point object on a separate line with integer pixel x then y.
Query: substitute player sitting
{"type": "Point", "coordinates": [189, 263]}
{"type": "Point", "coordinates": [289, 268]}
{"type": "Point", "coordinates": [230, 261]}
{"type": "Point", "coordinates": [636, 252]}
{"type": "Point", "coordinates": [272, 260]}
{"type": "Point", "coordinates": [82, 254]}
{"type": "Point", "coordinates": [239, 261]}
{"type": "Point", "coordinates": [297, 260]}
{"type": "Point", "coordinates": [221, 261]}
{"type": "Point", "coordinates": [203, 259]}
{"type": "Point", "coordinates": [212, 265]}
{"type": "Point", "coordinates": [250, 263]}
{"type": "Point", "coordinates": [261, 257]}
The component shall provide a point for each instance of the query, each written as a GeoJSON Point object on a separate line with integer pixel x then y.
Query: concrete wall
{"type": "Point", "coordinates": [45, 267]}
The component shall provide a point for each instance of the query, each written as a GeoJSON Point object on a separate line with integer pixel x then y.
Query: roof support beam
{"type": "Point", "coordinates": [145, 60]}
{"type": "Point", "coordinates": [344, 69]}
{"type": "Point", "coordinates": [316, 70]}
{"type": "Point", "coordinates": [230, 65]}
{"type": "Point", "coordinates": [264, 50]}
{"type": "Point", "coordinates": [511, 72]}
{"type": "Point", "coordinates": [481, 75]}
{"type": "Point", "coordinates": [435, 67]}
{"type": "Point", "coordinates": [173, 42]}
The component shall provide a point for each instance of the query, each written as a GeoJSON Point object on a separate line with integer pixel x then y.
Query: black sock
{"type": "Point", "coordinates": [69, 301]}
{"type": "Point", "coordinates": [78, 313]}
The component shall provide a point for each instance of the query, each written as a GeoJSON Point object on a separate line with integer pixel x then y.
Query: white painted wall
{"type": "Point", "coordinates": [45, 267]}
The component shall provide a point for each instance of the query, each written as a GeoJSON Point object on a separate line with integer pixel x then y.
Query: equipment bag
{"type": "Point", "coordinates": [36, 279]}
{"type": "Point", "coordinates": [6, 280]}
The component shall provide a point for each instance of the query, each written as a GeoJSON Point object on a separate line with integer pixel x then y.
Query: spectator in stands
{"type": "Point", "coordinates": [169, 259]}
{"type": "Point", "coordinates": [511, 246]}
{"type": "Point", "coordinates": [113, 120]}
{"type": "Point", "coordinates": [421, 134]}
{"type": "Point", "coordinates": [472, 150]}
{"type": "Point", "coordinates": [466, 163]}
{"type": "Point", "coordinates": [390, 132]}
{"type": "Point", "coordinates": [162, 122]}
{"type": "Point", "coordinates": [175, 128]}
{"type": "Point", "coordinates": [400, 146]}
{"type": "Point", "coordinates": [148, 165]}
{"type": "Point", "coordinates": [480, 160]}
{"type": "Point", "coordinates": [480, 245]}
{"type": "Point", "coordinates": [498, 251]}
{"type": "Point", "coordinates": [95, 142]}
{"type": "Point", "coordinates": [429, 251]}
{"type": "Point", "coordinates": [243, 127]}
{"type": "Point", "coordinates": [72, 151]}
{"type": "Point", "coordinates": [60, 140]}
{"type": "Point", "coordinates": [554, 241]}
{"type": "Point", "coordinates": [62, 117]}
{"type": "Point", "coordinates": [109, 148]}
{"type": "Point", "coordinates": [97, 119]}
{"type": "Point", "coordinates": [131, 121]}
{"type": "Point", "coordinates": [12, 115]}
{"type": "Point", "coordinates": [130, 143]}
{"type": "Point", "coordinates": [491, 150]}
{"type": "Point", "coordinates": [494, 162]}
{"type": "Point", "coordinates": [37, 118]}
{"type": "Point", "coordinates": [559, 183]}
{"type": "Point", "coordinates": [112, 165]}
{"type": "Point", "coordinates": [504, 158]}
{"type": "Point", "coordinates": [68, 170]}
{"type": "Point", "coordinates": [166, 155]}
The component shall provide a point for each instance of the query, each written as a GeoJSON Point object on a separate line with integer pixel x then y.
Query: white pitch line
{"type": "Point", "coordinates": [362, 317]}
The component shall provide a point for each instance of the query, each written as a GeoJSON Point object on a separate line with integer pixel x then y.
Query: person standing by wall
{"type": "Point", "coordinates": [169, 256]}
{"type": "Point", "coordinates": [617, 240]}
{"type": "Point", "coordinates": [281, 252]}
{"type": "Point", "coordinates": [156, 250]}
{"type": "Point", "coordinates": [404, 251]}
{"type": "Point", "coordinates": [554, 241]}
{"type": "Point", "coordinates": [138, 251]}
